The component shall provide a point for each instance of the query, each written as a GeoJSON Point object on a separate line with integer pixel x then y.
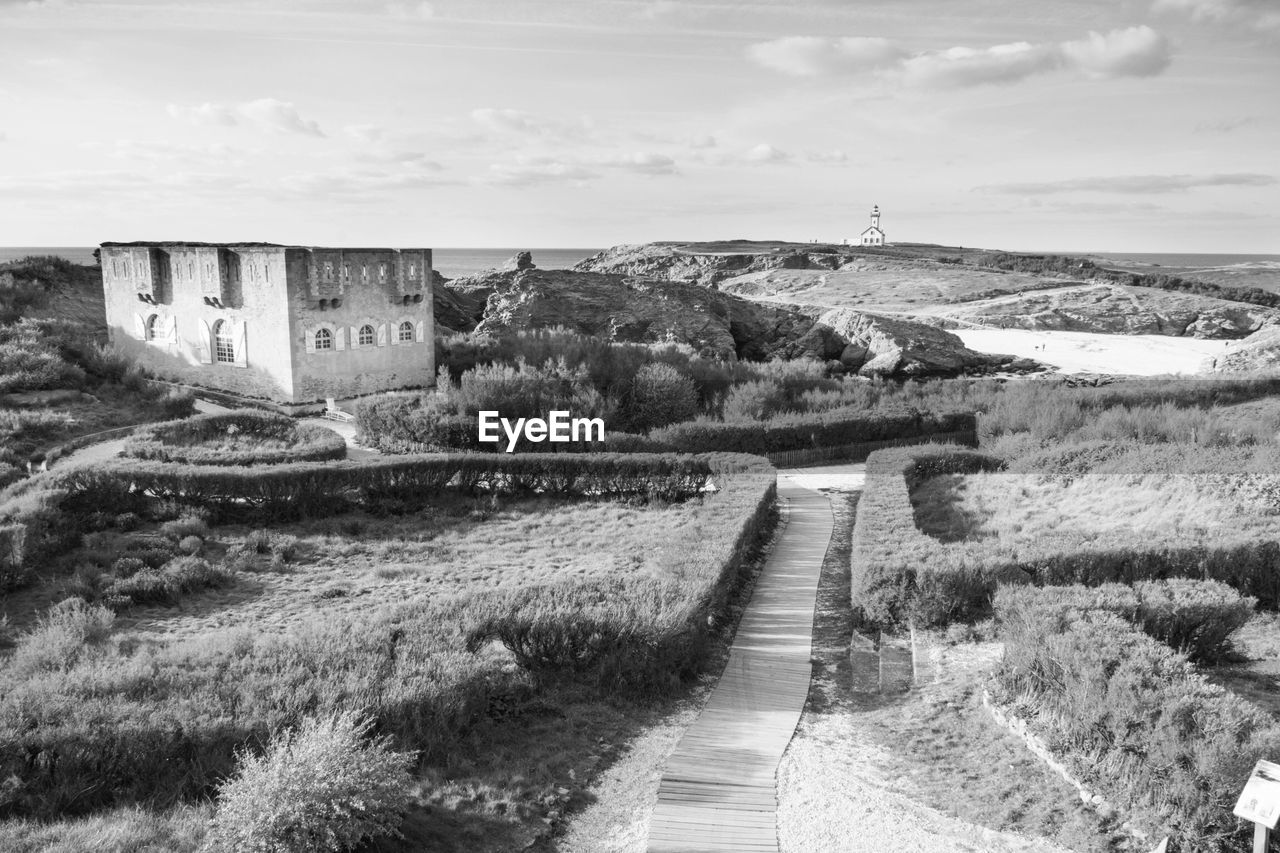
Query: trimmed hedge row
{"type": "Point", "coordinates": [164, 723]}
{"type": "Point", "coordinates": [310, 489]}
{"type": "Point", "coordinates": [1195, 617]}
{"type": "Point", "coordinates": [193, 441]}
{"type": "Point", "coordinates": [1131, 715]}
{"type": "Point", "coordinates": [803, 432]}
{"type": "Point", "coordinates": [901, 573]}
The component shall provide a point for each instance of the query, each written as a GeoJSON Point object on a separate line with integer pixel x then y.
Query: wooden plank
{"type": "Point", "coordinates": [717, 791]}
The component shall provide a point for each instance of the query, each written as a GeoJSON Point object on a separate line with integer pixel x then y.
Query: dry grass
{"type": "Point", "coordinates": [1024, 508]}
{"type": "Point", "coordinates": [355, 563]}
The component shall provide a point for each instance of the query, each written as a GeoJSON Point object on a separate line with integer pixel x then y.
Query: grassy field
{"type": "Point", "coordinates": [142, 710]}
{"type": "Point", "coordinates": [1021, 509]}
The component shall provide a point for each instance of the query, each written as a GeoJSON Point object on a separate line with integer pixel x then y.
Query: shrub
{"type": "Point", "coordinates": [659, 395]}
{"type": "Point", "coordinates": [184, 526]}
{"type": "Point", "coordinates": [1132, 716]}
{"type": "Point", "coordinates": [243, 437]}
{"type": "Point", "coordinates": [325, 786]}
{"type": "Point", "coordinates": [190, 545]}
{"type": "Point", "coordinates": [167, 585]}
{"type": "Point", "coordinates": [60, 637]}
{"type": "Point", "coordinates": [754, 401]}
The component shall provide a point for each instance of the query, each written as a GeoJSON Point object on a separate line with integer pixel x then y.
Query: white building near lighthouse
{"type": "Point", "coordinates": [873, 236]}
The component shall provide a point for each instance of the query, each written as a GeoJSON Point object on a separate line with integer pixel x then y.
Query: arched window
{"type": "Point", "coordinates": [152, 322]}
{"type": "Point", "coordinates": [324, 339]}
{"type": "Point", "coordinates": [406, 332]}
{"type": "Point", "coordinates": [367, 336]}
{"type": "Point", "coordinates": [224, 347]}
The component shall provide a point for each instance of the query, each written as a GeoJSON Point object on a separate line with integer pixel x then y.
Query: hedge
{"type": "Point", "coordinates": [1194, 617]}
{"type": "Point", "coordinates": [803, 432]}
{"type": "Point", "coordinates": [901, 573]}
{"type": "Point", "coordinates": [163, 723]}
{"type": "Point", "coordinates": [1132, 716]}
{"type": "Point", "coordinates": [194, 440]}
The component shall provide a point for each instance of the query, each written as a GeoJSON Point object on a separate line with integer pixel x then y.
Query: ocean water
{"type": "Point", "coordinates": [450, 263]}
{"type": "Point", "coordinates": [1188, 260]}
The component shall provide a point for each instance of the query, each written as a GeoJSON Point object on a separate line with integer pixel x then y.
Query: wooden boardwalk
{"type": "Point", "coordinates": [717, 792]}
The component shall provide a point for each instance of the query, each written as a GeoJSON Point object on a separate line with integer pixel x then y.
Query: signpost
{"type": "Point", "coordinates": [1260, 803]}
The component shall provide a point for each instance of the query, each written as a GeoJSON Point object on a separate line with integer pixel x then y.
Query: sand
{"type": "Point", "coordinates": [1085, 352]}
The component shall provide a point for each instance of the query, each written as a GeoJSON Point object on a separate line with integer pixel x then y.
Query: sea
{"type": "Point", "coordinates": [450, 263]}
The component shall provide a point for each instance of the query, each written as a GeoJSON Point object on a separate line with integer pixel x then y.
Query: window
{"type": "Point", "coordinates": [346, 272]}
{"type": "Point", "coordinates": [406, 332]}
{"type": "Point", "coordinates": [366, 338]}
{"type": "Point", "coordinates": [324, 339]}
{"type": "Point", "coordinates": [224, 348]}
{"type": "Point", "coordinates": [382, 272]}
{"type": "Point", "coordinates": [364, 272]}
{"type": "Point", "coordinates": [152, 322]}
{"type": "Point", "coordinates": [328, 270]}
{"type": "Point", "coordinates": [413, 270]}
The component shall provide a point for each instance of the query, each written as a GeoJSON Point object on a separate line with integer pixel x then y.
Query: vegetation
{"type": "Point", "coordinates": [1132, 716]}
{"type": "Point", "coordinates": [120, 721]}
{"type": "Point", "coordinates": [322, 787]}
{"type": "Point", "coordinates": [243, 437]}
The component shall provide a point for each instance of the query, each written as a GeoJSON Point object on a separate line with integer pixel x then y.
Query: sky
{"type": "Point", "coordinates": [1073, 125]}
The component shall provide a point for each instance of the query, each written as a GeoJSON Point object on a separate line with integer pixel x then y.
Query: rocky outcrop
{"type": "Point", "coordinates": [1119, 310]}
{"type": "Point", "coordinates": [1260, 352]}
{"type": "Point", "coordinates": [704, 266]}
{"type": "Point", "coordinates": [890, 346]}
{"type": "Point", "coordinates": [522, 261]}
{"type": "Point", "coordinates": [625, 309]}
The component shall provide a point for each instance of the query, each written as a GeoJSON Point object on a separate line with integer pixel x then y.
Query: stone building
{"type": "Point", "coordinates": [290, 324]}
{"type": "Point", "coordinates": [873, 236]}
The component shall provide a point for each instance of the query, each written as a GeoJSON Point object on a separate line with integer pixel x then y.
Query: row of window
{"type": "Point", "coordinates": [327, 270]}
{"type": "Point", "coordinates": [157, 329]}
{"type": "Point", "coordinates": [365, 336]}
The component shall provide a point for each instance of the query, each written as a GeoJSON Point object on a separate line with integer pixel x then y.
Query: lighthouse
{"type": "Point", "coordinates": [873, 236]}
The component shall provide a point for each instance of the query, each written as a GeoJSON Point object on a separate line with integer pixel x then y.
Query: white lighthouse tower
{"type": "Point", "coordinates": [873, 236]}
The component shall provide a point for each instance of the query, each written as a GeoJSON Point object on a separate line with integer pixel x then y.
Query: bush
{"type": "Point", "coordinates": [754, 401]}
{"type": "Point", "coordinates": [184, 526]}
{"type": "Point", "coordinates": [243, 437]}
{"type": "Point", "coordinates": [1132, 716]}
{"type": "Point", "coordinates": [325, 786]}
{"type": "Point", "coordinates": [60, 637]}
{"type": "Point", "coordinates": [659, 395]}
{"type": "Point", "coordinates": [167, 585]}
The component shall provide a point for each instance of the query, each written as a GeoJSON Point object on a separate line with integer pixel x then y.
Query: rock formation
{"type": "Point", "coordinates": [890, 346]}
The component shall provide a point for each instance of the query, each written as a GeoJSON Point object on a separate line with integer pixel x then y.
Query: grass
{"type": "Point", "coordinates": [368, 614]}
{"type": "Point", "coordinates": [1018, 510]}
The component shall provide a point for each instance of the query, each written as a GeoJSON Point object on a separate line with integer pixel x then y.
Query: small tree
{"type": "Point", "coordinates": [659, 395]}
{"type": "Point", "coordinates": [325, 786]}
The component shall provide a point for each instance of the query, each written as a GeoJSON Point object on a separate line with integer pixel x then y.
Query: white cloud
{"type": "Point", "coordinates": [158, 151]}
{"type": "Point", "coordinates": [964, 66]}
{"type": "Point", "coordinates": [833, 156]}
{"type": "Point", "coordinates": [765, 153]}
{"type": "Point", "coordinates": [520, 123]}
{"type": "Point", "coordinates": [811, 56]}
{"type": "Point", "coordinates": [1260, 15]}
{"type": "Point", "coordinates": [1144, 184]}
{"type": "Point", "coordinates": [526, 171]}
{"type": "Point", "coordinates": [267, 113]}
{"type": "Point", "coordinates": [641, 162]}
{"type": "Point", "coordinates": [368, 133]}
{"type": "Point", "coordinates": [705, 141]}
{"type": "Point", "coordinates": [1132, 52]}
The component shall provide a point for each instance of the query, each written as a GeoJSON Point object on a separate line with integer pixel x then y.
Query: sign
{"type": "Point", "coordinates": [1260, 799]}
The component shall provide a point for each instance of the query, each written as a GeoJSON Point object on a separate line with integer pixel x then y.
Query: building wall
{"type": "Point", "coordinates": [180, 279]}
{"type": "Point", "coordinates": [343, 290]}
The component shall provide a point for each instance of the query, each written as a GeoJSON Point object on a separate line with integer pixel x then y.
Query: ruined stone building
{"type": "Point", "coordinates": [291, 324]}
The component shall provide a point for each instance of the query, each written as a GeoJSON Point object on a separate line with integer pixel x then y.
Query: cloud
{"type": "Point", "coordinates": [1143, 184]}
{"type": "Point", "coordinates": [526, 171]}
{"type": "Point", "coordinates": [1132, 52]}
{"type": "Point", "coordinates": [1259, 15]}
{"type": "Point", "coordinates": [641, 162]}
{"type": "Point", "coordinates": [368, 133]}
{"type": "Point", "coordinates": [1226, 125]}
{"type": "Point", "coordinates": [267, 113]}
{"type": "Point", "coordinates": [520, 123]}
{"type": "Point", "coordinates": [705, 141]}
{"type": "Point", "coordinates": [833, 156]}
{"type": "Point", "coordinates": [811, 56]}
{"type": "Point", "coordinates": [154, 151]}
{"type": "Point", "coordinates": [765, 153]}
